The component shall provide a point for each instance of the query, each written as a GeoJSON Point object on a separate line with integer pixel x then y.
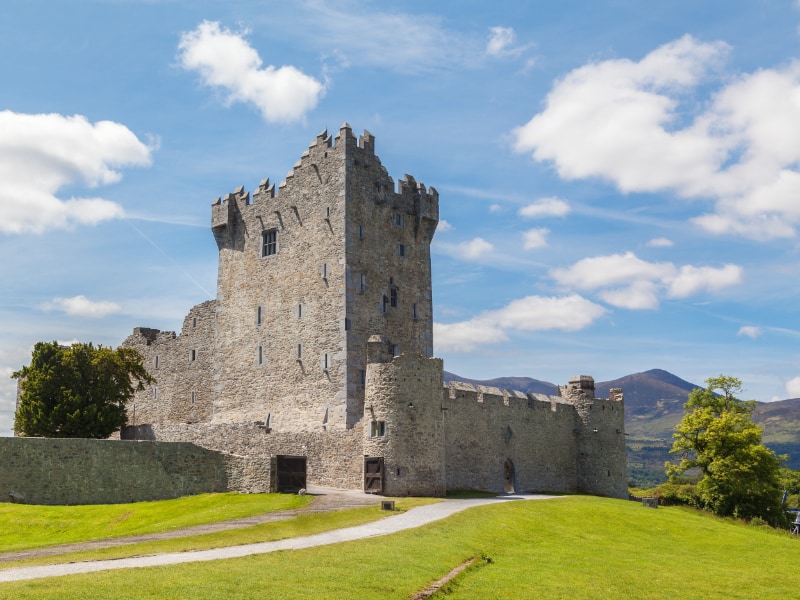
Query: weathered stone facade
{"type": "Point", "coordinates": [319, 345]}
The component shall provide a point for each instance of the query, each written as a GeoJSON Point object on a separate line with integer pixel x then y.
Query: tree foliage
{"type": "Point", "coordinates": [740, 476]}
{"type": "Point", "coordinates": [77, 391]}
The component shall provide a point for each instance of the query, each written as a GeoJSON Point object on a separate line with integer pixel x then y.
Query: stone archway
{"type": "Point", "coordinates": [508, 477]}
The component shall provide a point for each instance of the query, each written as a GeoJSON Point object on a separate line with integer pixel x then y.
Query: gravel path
{"type": "Point", "coordinates": [415, 517]}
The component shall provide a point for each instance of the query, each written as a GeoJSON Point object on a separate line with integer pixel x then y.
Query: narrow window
{"type": "Point", "coordinates": [414, 313]}
{"type": "Point", "coordinates": [155, 393]}
{"type": "Point", "coordinates": [299, 311]}
{"type": "Point", "coordinates": [194, 322]}
{"type": "Point", "coordinates": [363, 282]}
{"type": "Point", "coordinates": [325, 361]}
{"type": "Point", "coordinates": [327, 213]}
{"type": "Point", "coordinates": [155, 362]}
{"type": "Point", "coordinates": [398, 219]}
{"type": "Point", "coordinates": [396, 350]}
{"type": "Point", "coordinates": [361, 232]}
{"type": "Point", "coordinates": [192, 399]}
{"type": "Point", "coordinates": [299, 351]}
{"type": "Point", "coordinates": [192, 355]}
{"type": "Point", "coordinates": [378, 429]}
{"type": "Point", "coordinates": [393, 297]}
{"type": "Point", "coordinates": [348, 324]}
{"type": "Point", "coordinates": [401, 250]}
{"type": "Point", "coordinates": [362, 377]}
{"type": "Point", "coordinates": [269, 242]}
{"type": "Point", "coordinates": [261, 355]}
{"type": "Point", "coordinates": [324, 270]}
{"type": "Point", "coordinates": [385, 303]}
{"type": "Point", "coordinates": [259, 316]}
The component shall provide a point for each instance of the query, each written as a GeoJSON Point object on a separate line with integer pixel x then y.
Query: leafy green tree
{"type": "Point", "coordinates": [740, 476]}
{"type": "Point", "coordinates": [77, 391]}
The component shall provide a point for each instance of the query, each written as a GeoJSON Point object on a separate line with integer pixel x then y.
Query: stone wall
{"type": "Point", "coordinates": [334, 458]}
{"type": "Point", "coordinates": [85, 471]}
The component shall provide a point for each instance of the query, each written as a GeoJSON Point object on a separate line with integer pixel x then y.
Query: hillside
{"type": "Point", "coordinates": [654, 403]}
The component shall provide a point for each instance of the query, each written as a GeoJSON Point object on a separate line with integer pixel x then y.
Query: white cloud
{"type": "Point", "coordinates": [532, 313]}
{"type": "Point", "coordinates": [631, 124]}
{"type": "Point", "coordinates": [225, 60]}
{"type": "Point", "coordinates": [691, 280]}
{"type": "Point", "coordinates": [626, 281]}
{"type": "Point", "coordinates": [545, 207]}
{"type": "Point", "coordinates": [443, 226]}
{"type": "Point", "coordinates": [501, 41]}
{"type": "Point", "coordinates": [473, 249]}
{"type": "Point", "coordinates": [81, 306]}
{"type": "Point", "coordinates": [660, 242]}
{"type": "Point", "coordinates": [750, 331]}
{"type": "Point", "coordinates": [495, 208]}
{"type": "Point", "coordinates": [793, 387]}
{"type": "Point", "coordinates": [40, 154]}
{"type": "Point", "coordinates": [535, 238]}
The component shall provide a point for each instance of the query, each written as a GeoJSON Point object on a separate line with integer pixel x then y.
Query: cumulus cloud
{"type": "Point", "coordinates": [532, 313]}
{"type": "Point", "coordinates": [225, 60]}
{"type": "Point", "coordinates": [545, 207]}
{"type": "Point", "coordinates": [81, 306]}
{"type": "Point", "coordinates": [535, 238]}
{"type": "Point", "coordinates": [660, 242]}
{"type": "Point", "coordinates": [472, 250]}
{"type": "Point", "coordinates": [630, 123]}
{"type": "Point", "coordinates": [627, 281]}
{"type": "Point", "coordinates": [750, 331]}
{"type": "Point", "coordinates": [43, 153]}
{"type": "Point", "coordinates": [793, 387]}
{"type": "Point", "coordinates": [443, 226]}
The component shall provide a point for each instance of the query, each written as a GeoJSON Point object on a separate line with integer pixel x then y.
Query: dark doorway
{"type": "Point", "coordinates": [291, 472]}
{"type": "Point", "coordinates": [508, 477]}
{"type": "Point", "coordinates": [373, 474]}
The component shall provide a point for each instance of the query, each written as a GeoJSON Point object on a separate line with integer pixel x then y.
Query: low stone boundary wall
{"type": "Point", "coordinates": [88, 471]}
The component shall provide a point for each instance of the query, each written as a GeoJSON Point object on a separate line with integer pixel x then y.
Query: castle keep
{"type": "Point", "coordinates": [315, 362]}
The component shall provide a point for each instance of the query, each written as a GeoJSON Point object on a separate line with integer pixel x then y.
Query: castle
{"type": "Point", "coordinates": [314, 363]}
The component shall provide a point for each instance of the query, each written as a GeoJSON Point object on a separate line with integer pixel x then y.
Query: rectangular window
{"type": "Point", "coordinates": [362, 377]}
{"type": "Point", "coordinates": [194, 322]}
{"type": "Point", "coordinates": [259, 316]}
{"type": "Point", "coordinates": [326, 361]}
{"type": "Point", "coordinates": [269, 242]}
{"type": "Point", "coordinates": [398, 219]}
{"type": "Point", "coordinates": [193, 398]}
{"type": "Point", "coordinates": [414, 314]}
{"type": "Point", "coordinates": [348, 324]}
{"type": "Point", "coordinates": [361, 232]}
{"type": "Point", "coordinates": [192, 355]}
{"type": "Point", "coordinates": [396, 350]}
{"type": "Point", "coordinates": [155, 393]}
{"type": "Point", "coordinates": [363, 283]}
{"type": "Point", "coordinates": [324, 270]}
{"type": "Point", "coordinates": [299, 351]}
{"type": "Point", "coordinates": [327, 213]}
{"type": "Point", "coordinates": [299, 311]}
{"type": "Point", "coordinates": [401, 250]}
{"type": "Point", "coordinates": [378, 429]}
{"type": "Point", "coordinates": [155, 362]}
{"type": "Point", "coordinates": [261, 355]}
{"type": "Point", "coordinates": [385, 303]}
{"type": "Point", "coordinates": [393, 297]}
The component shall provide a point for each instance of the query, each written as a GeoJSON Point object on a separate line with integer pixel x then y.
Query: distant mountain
{"type": "Point", "coordinates": [654, 403]}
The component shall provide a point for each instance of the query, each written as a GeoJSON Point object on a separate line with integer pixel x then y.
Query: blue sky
{"type": "Point", "coordinates": [619, 181]}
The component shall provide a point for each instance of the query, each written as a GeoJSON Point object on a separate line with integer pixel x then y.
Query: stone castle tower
{"type": "Point", "coordinates": [314, 362]}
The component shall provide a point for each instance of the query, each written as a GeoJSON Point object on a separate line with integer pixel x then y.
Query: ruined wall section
{"type": "Point", "coordinates": [281, 311]}
{"type": "Point", "coordinates": [403, 421]}
{"type": "Point", "coordinates": [182, 367]}
{"type": "Point", "coordinates": [333, 458]}
{"type": "Point", "coordinates": [388, 235]}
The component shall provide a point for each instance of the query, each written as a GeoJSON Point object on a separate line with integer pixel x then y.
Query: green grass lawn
{"type": "Point", "coordinates": [24, 526]}
{"type": "Point", "coordinates": [573, 547]}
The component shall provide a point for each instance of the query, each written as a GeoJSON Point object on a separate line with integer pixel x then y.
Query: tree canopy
{"type": "Point", "coordinates": [77, 391]}
{"type": "Point", "coordinates": [740, 476]}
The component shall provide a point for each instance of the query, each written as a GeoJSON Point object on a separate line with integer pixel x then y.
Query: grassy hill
{"type": "Point", "coordinates": [572, 547]}
{"type": "Point", "coordinates": [654, 403]}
